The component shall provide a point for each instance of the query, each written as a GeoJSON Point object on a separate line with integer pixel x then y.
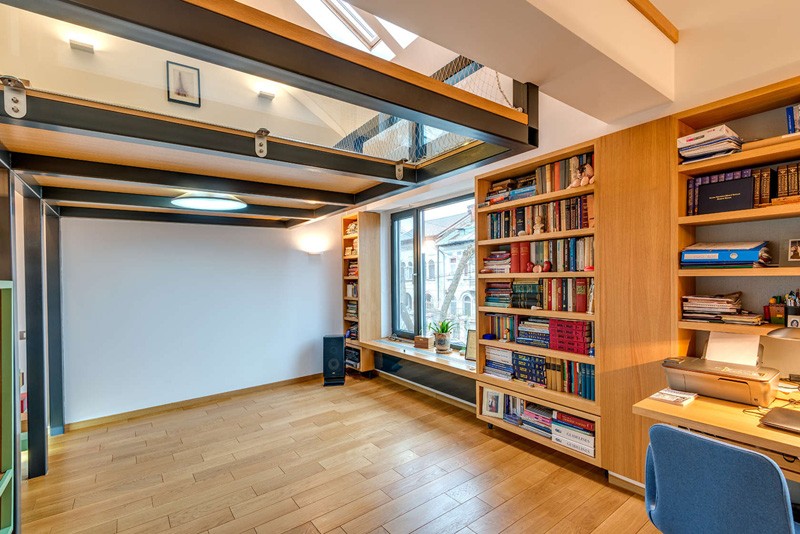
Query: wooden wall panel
{"type": "Point", "coordinates": [634, 206]}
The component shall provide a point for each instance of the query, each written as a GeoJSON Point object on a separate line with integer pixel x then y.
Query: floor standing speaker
{"type": "Point", "coordinates": [333, 360]}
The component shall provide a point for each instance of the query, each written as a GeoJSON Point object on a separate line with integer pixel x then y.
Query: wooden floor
{"type": "Point", "coordinates": [369, 457]}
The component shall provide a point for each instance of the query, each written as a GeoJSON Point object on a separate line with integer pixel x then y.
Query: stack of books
{"type": "Point", "coordinates": [352, 268]}
{"type": "Point", "coordinates": [717, 309]}
{"type": "Point", "coordinates": [571, 336]}
{"type": "Point", "coordinates": [710, 143]}
{"type": "Point", "coordinates": [351, 310]}
{"type": "Point", "coordinates": [534, 331]}
{"type": "Point", "coordinates": [499, 261]}
{"type": "Point", "coordinates": [500, 191]}
{"type": "Point", "coordinates": [499, 363]}
{"type": "Point", "coordinates": [526, 295]}
{"type": "Point", "coordinates": [574, 432]}
{"type": "Point", "coordinates": [352, 290]}
{"type": "Point", "coordinates": [352, 332]}
{"type": "Point", "coordinates": [498, 295]}
{"type": "Point", "coordinates": [537, 419]}
{"type": "Point", "coordinates": [726, 255]}
{"type": "Point", "coordinates": [530, 368]}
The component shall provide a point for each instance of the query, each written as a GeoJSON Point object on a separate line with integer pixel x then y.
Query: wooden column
{"type": "Point", "coordinates": [633, 279]}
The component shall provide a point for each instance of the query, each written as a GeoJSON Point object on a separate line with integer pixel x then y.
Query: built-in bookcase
{"type": "Point", "coordinates": [758, 111]}
{"type": "Point", "coordinates": [549, 394]}
{"type": "Point", "coordinates": [361, 288]}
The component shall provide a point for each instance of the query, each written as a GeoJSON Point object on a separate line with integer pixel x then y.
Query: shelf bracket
{"type": "Point", "coordinates": [398, 169]}
{"type": "Point", "coordinates": [261, 142]}
{"type": "Point", "coordinates": [15, 103]}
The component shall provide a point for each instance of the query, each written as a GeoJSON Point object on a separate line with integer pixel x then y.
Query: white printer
{"type": "Point", "coordinates": [734, 382]}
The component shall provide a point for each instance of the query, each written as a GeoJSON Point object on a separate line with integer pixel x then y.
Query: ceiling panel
{"type": "Point", "coordinates": [150, 209]}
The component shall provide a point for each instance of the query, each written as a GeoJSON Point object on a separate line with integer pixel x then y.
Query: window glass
{"type": "Point", "coordinates": [403, 313]}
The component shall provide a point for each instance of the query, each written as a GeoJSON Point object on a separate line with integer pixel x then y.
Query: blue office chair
{"type": "Point", "coordinates": [697, 484]}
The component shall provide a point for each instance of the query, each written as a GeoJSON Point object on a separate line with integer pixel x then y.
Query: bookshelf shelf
{"type": "Point", "coordinates": [538, 237]}
{"type": "Point", "coordinates": [781, 211]}
{"type": "Point", "coordinates": [746, 272]}
{"type": "Point", "coordinates": [538, 313]}
{"type": "Point", "coordinates": [365, 228]}
{"type": "Point", "coordinates": [760, 330]}
{"type": "Point", "coordinates": [538, 199]}
{"type": "Point", "coordinates": [527, 349]}
{"type": "Point", "coordinates": [536, 276]}
{"type": "Point", "coordinates": [560, 398]}
{"type": "Point", "coordinates": [757, 156]}
{"type": "Point", "coordinates": [505, 425]}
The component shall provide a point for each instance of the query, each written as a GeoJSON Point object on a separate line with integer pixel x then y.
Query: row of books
{"type": "Point", "coordinates": [555, 374]}
{"type": "Point", "coordinates": [560, 215]}
{"type": "Point", "coordinates": [549, 294]}
{"type": "Point", "coordinates": [571, 431]}
{"type": "Point", "coordinates": [575, 254]}
{"type": "Point", "coordinates": [793, 118]}
{"type": "Point", "coordinates": [721, 309]}
{"type": "Point", "coordinates": [576, 337]}
{"type": "Point", "coordinates": [545, 179]}
{"type": "Point", "coordinates": [351, 290]}
{"type": "Point", "coordinates": [352, 357]}
{"type": "Point", "coordinates": [351, 309]}
{"type": "Point", "coordinates": [352, 268]}
{"type": "Point", "coordinates": [770, 186]}
{"type": "Point", "coordinates": [352, 332]}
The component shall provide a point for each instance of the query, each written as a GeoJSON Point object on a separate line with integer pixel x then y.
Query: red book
{"type": "Point", "coordinates": [581, 284]}
{"type": "Point", "coordinates": [575, 421]}
{"type": "Point", "coordinates": [524, 256]}
{"type": "Point", "coordinates": [515, 252]}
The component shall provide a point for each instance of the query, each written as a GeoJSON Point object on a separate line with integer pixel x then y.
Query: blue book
{"type": "Point", "coordinates": [790, 119]}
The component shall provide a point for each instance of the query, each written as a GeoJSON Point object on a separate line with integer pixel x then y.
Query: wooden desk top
{"type": "Point", "coordinates": [453, 364]}
{"type": "Point", "coordinates": [726, 420]}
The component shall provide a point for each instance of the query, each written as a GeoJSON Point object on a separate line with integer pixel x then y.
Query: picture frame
{"type": "Point", "coordinates": [183, 84]}
{"type": "Point", "coordinates": [472, 346]}
{"type": "Point", "coordinates": [793, 253]}
{"type": "Point", "coordinates": [493, 402]}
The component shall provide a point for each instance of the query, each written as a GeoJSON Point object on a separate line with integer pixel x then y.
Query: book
{"type": "Point", "coordinates": [673, 396]}
{"type": "Point", "coordinates": [574, 420]}
{"type": "Point", "coordinates": [561, 440]}
{"type": "Point", "coordinates": [783, 181]}
{"type": "Point", "coordinates": [573, 434]}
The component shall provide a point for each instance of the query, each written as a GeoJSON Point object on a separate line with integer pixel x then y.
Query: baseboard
{"type": "Point", "coordinates": [189, 403]}
{"type": "Point", "coordinates": [464, 405]}
{"type": "Point", "coordinates": [626, 483]}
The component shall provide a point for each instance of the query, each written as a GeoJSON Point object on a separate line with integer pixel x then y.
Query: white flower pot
{"type": "Point", "coordinates": [442, 343]}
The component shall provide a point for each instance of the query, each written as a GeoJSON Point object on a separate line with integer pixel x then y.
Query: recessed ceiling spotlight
{"type": "Point", "coordinates": [209, 202]}
{"type": "Point", "coordinates": [266, 95]}
{"type": "Point", "coordinates": [81, 46]}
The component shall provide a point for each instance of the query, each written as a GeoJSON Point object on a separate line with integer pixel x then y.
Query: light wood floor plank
{"type": "Point", "coordinates": [372, 457]}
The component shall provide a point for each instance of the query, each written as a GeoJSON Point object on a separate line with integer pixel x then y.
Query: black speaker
{"type": "Point", "coordinates": [333, 360]}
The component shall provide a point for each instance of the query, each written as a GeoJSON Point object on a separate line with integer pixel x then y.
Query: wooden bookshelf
{"type": "Point", "coordinates": [767, 152]}
{"type": "Point", "coordinates": [537, 438]}
{"type": "Point", "coordinates": [745, 272]}
{"type": "Point", "coordinates": [563, 401]}
{"type": "Point", "coordinates": [760, 330]}
{"type": "Point", "coordinates": [365, 243]}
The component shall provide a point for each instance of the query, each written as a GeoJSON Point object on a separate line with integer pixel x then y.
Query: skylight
{"type": "Point", "coordinates": [343, 23]}
{"type": "Point", "coordinates": [401, 35]}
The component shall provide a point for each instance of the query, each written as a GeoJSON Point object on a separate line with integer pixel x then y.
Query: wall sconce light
{"type": "Point", "coordinates": [313, 244]}
{"type": "Point", "coordinates": [266, 95]}
{"type": "Point", "coordinates": [81, 46]}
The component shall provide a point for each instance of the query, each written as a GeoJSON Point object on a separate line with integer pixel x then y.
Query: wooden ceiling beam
{"type": "Point", "coordinates": [656, 18]}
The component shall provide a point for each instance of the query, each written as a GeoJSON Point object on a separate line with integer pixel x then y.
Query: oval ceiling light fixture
{"type": "Point", "coordinates": [209, 202]}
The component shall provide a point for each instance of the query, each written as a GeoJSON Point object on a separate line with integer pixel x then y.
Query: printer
{"type": "Point", "coordinates": [734, 382]}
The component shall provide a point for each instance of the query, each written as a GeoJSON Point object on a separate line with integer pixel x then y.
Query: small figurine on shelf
{"type": "Point", "coordinates": [355, 246]}
{"type": "Point", "coordinates": [574, 173]}
{"type": "Point", "coordinates": [529, 267]}
{"type": "Point", "coordinates": [587, 174]}
{"type": "Point", "coordinates": [352, 228]}
{"type": "Point", "coordinates": [538, 225]}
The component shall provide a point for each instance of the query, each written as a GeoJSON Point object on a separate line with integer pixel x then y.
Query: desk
{"type": "Point", "coordinates": [727, 421]}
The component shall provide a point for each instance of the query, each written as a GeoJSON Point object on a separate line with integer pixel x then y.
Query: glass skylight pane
{"type": "Point", "coordinates": [401, 35]}
{"type": "Point", "coordinates": [354, 20]}
{"type": "Point", "coordinates": [332, 24]}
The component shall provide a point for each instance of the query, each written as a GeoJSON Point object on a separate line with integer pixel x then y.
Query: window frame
{"type": "Point", "coordinates": [420, 273]}
{"type": "Point", "coordinates": [354, 22]}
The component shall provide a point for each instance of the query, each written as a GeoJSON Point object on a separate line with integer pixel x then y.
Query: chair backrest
{"type": "Point", "coordinates": [698, 484]}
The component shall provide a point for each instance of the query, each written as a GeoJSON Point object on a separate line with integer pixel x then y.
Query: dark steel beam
{"type": "Point", "coordinates": [58, 194]}
{"type": "Point", "coordinates": [464, 160]}
{"type": "Point", "coordinates": [45, 165]}
{"type": "Point", "coordinates": [55, 355]}
{"type": "Point", "coordinates": [130, 215]}
{"type": "Point", "coordinates": [51, 114]}
{"type": "Point", "coordinates": [202, 34]}
{"type": "Point", "coordinates": [36, 353]}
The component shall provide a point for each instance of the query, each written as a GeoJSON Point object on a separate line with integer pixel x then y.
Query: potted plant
{"type": "Point", "coordinates": [442, 331]}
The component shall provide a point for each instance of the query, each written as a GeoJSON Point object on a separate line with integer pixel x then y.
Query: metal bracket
{"type": "Point", "coordinates": [398, 169]}
{"type": "Point", "coordinates": [261, 142]}
{"type": "Point", "coordinates": [15, 103]}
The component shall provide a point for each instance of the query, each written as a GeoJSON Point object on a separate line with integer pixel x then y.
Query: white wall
{"type": "Point", "coordinates": [156, 313]}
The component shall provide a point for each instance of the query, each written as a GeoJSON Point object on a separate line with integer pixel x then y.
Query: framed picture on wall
{"type": "Point", "coordinates": [794, 250]}
{"type": "Point", "coordinates": [472, 342]}
{"type": "Point", "coordinates": [183, 84]}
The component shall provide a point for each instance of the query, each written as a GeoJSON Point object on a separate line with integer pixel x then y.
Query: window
{"type": "Point", "coordinates": [439, 237]}
{"type": "Point", "coordinates": [354, 22]}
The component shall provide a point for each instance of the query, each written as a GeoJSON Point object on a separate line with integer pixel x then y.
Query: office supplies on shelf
{"type": "Point", "coordinates": [783, 418]}
{"type": "Point", "coordinates": [673, 396]}
{"type": "Point", "coordinates": [725, 254]}
{"type": "Point", "coordinates": [741, 349]}
{"type": "Point", "coordinates": [712, 142]}
{"type": "Point", "coordinates": [737, 383]}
